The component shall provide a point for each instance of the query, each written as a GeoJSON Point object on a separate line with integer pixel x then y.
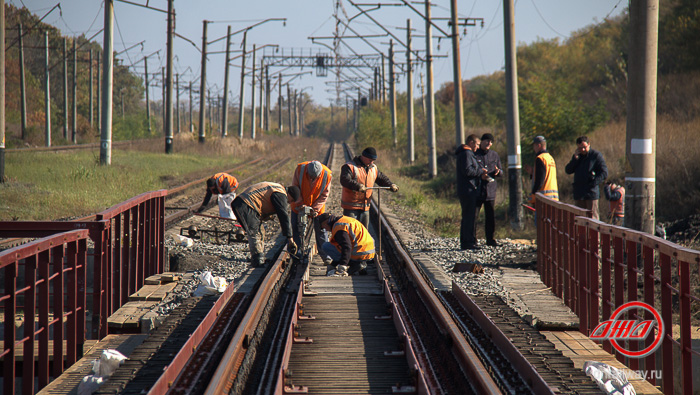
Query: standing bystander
{"type": "Point", "coordinates": [487, 194]}
{"type": "Point", "coordinates": [589, 170]}
{"type": "Point", "coordinates": [469, 176]}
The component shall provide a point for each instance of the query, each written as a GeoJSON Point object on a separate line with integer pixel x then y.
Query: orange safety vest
{"type": "Point", "coordinates": [362, 241]}
{"type": "Point", "coordinates": [221, 177]}
{"type": "Point", "coordinates": [311, 190]}
{"type": "Point", "coordinates": [617, 207]}
{"type": "Point", "coordinates": [257, 196]}
{"type": "Point", "coordinates": [355, 200]}
{"type": "Point", "coordinates": [549, 187]}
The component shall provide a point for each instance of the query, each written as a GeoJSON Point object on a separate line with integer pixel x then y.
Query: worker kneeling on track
{"type": "Point", "coordinates": [351, 245]}
{"type": "Point", "coordinates": [258, 203]}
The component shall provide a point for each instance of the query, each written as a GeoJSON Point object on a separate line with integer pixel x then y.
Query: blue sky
{"type": "Point", "coordinates": [482, 49]}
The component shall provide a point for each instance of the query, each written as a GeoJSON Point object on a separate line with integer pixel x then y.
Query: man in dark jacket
{"type": "Point", "coordinates": [589, 170]}
{"type": "Point", "coordinates": [469, 175]}
{"type": "Point", "coordinates": [357, 177]}
{"type": "Point", "coordinates": [490, 161]}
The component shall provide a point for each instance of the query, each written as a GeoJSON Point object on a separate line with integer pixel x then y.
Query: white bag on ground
{"type": "Point", "coordinates": [224, 201]}
{"type": "Point", "coordinates": [183, 241]}
{"type": "Point", "coordinates": [609, 378]}
{"type": "Point", "coordinates": [210, 285]}
{"type": "Point", "coordinates": [102, 368]}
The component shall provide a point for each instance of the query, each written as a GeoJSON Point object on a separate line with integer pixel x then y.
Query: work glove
{"type": "Point", "coordinates": [362, 188]}
{"type": "Point", "coordinates": [394, 188]}
{"type": "Point", "coordinates": [291, 247]}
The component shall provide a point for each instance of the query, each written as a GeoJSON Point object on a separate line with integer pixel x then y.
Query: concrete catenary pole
{"type": "Point", "coordinates": [65, 88]}
{"type": "Point", "coordinates": [430, 96]}
{"type": "Point", "coordinates": [169, 81]}
{"type": "Point", "coordinates": [261, 104]}
{"type": "Point", "coordinates": [107, 75]}
{"type": "Point", "coordinates": [148, 99]}
{"type": "Point", "coordinates": [392, 91]}
{"type": "Point", "coordinates": [457, 74]}
{"type": "Point", "coordinates": [640, 173]}
{"type": "Point", "coordinates": [47, 93]}
{"type": "Point", "coordinates": [91, 109]}
{"type": "Point", "coordinates": [252, 97]}
{"type": "Point", "coordinates": [515, 189]}
{"type": "Point", "coordinates": [382, 86]}
{"type": "Point", "coordinates": [280, 103]}
{"type": "Point", "coordinates": [74, 120]}
{"type": "Point", "coordinates": [409, 92]}
{"type": "Point", "coordinates": [177, 102]}
{"type": "Point", "coordinates": [203, 85]}
{"type": "Point", "coordinates": [23, 85]}
{"type": "Point", "coordinates": [289, 110]}
{"type": "Point", "coordinates": [2, 91]}
{"type": "Point", "coordinates": [191, 123]}
{"type": "Point", "coordinates": [99, 96]}
{"type": "Point", "coordinates": [268, 99]}
{"type": "Point", "coordinates": [224, 118]}
{"type": "Point", "coordinates": [241, 96]}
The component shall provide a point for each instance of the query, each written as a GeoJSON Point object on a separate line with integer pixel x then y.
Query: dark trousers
{"type": "Point", "coordinates": [360, 215]}
{"type": "Point", "coordinates": [490, 225]}
{"type": "Point", "coordinates": [250, 221]}
{"type": "Point", "coordinates": [467, 235]}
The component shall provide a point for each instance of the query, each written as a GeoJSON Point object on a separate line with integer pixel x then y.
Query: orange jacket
{"type": "Point", "coordinates": [257, 196]}
{"type": "Point", "coordinates": [225, 183]}
{"type": "Point", "coordinates": [313, 193]}
{"type": "Point", "coordinates": [355, 200]}
{"type": "Point", "coordinates": [549, 187]}
{"type": "Point", "coordinates": [362, 241]}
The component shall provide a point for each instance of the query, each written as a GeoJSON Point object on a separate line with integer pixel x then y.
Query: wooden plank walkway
{"type": "Point", "coordinates": [68, 382]}
{"type": "Point", "coordinates": [579, 348]}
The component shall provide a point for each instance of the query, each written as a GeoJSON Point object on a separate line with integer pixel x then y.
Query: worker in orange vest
{"type": "Point", "coordinates": [258, 203]}
{"type": "Point", "coordinates": [314, 181]}
{"type": "Point", "coordinates": [615, 194]}
{"type": "Point", "coordinates": [223, 185]}
{"type": "Point", "coordinates": [544, 178]}
{"type": "Point", "coordinates": [351, 246]}
{"type": "Point", "coordinates": [357, 177]}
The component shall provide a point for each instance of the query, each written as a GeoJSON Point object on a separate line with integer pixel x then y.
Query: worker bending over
{"type": "Point", "coordinates": [351, 245]}
{"type": "Point", "coordinates": [223, 185]}
{"type": "Point", "coordinates": [314, 181]}
{"type": "Point", "coordinates": [258, 203]}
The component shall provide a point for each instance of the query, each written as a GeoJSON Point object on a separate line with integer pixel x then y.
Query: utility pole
{"type": "Point", "coordinates": [515, 190]}
{"type": "Point", "coordinates": [382, 86]}
{"type": "Point", "coordinates": [177, 101]}
{"type": "Point", "coordinates": [289, 110]}
{"type": "Point", "coordinates": [162, 95]}
{"type": "Point", "coordinates": [640, 173]}
{"type": "Point", "coordinates": [92, 98]}
{"type": "Point", "coordinates": [99, 96]}
{"type": "Point", "coordinates": [74, 123]}
{"type": "Point", "coordinates": [23, 85]}
{"type": "Point", "coordinates": [169, 82]}
{"type": "Point", "coordinates": [280, 103]}
{"type": "Point", "coordinates": [203, 84]}
{"type": "Point", "coordinates": [252, 97]}
{"type": "Point", "coordinates": [2, 91]}
{"type": "Point", "coordinates": [432, 156]}
{"type": "Point", "coordinates": [267, 98]}
{"type": "Point", "coordinates": [409, 92]}
{"type": "Point", "coordinates": [107, 71]}
{"type": "Point", "coordinates": [47, 91]}
{"type": "Point", "coordinates": [241, 96]}
{"type": "Point", "coordinates": [224, 118]}
{"type": "Point", "coordinates": [65, 89]}
{"type": "Point", "coordinates": [148, 100]}
{"type": "Point", "coordinates": [261, 106]}
{"type": "Point", "coordinates": [191, 123]}
{"type": "Point", "coordinates": [457, 71]}
{"type": "Point", "coordinates": [392, 91]}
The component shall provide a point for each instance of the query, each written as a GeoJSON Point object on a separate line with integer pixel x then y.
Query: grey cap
{"type": "Point", "coordinates": [314, 169]}
{"type": "Point", "coordinates": [538, 140]}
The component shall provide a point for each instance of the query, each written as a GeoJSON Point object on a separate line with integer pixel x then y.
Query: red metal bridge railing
{"type": "Point", "coordinates": [54, 266]}
{"type": "Point", "coordinates": [609, 266]}
{"type": "Point", "coordinates": [127, 243]}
